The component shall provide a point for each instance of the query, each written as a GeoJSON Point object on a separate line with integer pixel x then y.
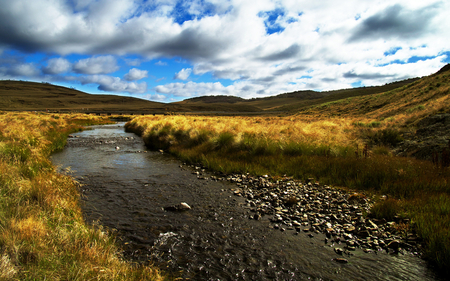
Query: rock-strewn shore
{"type": "Point", "coordinates": [309, 208]}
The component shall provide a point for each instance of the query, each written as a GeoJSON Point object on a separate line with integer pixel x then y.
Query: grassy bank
{"type": "Point", "coordinates": [42, 232]}
{"type": "Point", "coordinates": [331, 150]}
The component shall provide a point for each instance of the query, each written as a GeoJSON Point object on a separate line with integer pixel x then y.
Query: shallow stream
{"type": "Point", "coordinates": [126, 189]}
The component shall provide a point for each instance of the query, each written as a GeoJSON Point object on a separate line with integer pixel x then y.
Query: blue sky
{"type": "Point", "coordinates": [170, 50]}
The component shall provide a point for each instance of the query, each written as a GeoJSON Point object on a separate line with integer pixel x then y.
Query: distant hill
{"type": "Point", "coordinates": [417, 99]}
{"type": "Point", "coordinates": [22, 95]}
{"type": "Point", "coordinates": [215, 99]}
{"type": "Point", "coordinates": [286, 102]}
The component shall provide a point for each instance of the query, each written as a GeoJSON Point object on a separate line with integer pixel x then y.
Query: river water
{"type": "Point", "coordinates": [127, 189]}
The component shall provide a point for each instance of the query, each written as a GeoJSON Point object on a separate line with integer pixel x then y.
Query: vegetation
{"type": "Point", "coordinates": [42, 232]}
{"type": "Point", "coordinates": [343, 143]}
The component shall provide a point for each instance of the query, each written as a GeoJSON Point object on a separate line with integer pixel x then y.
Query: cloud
{"type": "Point", "coordinates": [183, 74]}
{"type": "Point", "coordinates": [57, 66]}
{"type": "Point", "coordinates": [193, 89]}
{"type": "Point", "coordinates": [261, 48]}
{"type": "Point", "coordinates": [114, 84]}
{"type": "Point", "coordinates": [160, 63]}
{"type": "Point", "coordinates": [366, 76]}
{"type": "Point", "coordinates": [24, 70]}
{"type": "Point", "coordinates": [96, 65]}
{"type": "Point", "coordinates": [395, 22]}
{"type": "Point", "coordinates": [135, 74]}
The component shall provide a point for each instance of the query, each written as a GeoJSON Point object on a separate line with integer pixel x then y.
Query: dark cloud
{"type": "Point", "coordinates": [288, 53]}
{"type": "Point", "coordinates": [287, 70]}
{"type": "Point", "coordinates": [395, 21]}
{"type": "Point", "coordinates": [191, 44]}
{"type": "Point", "coordinates": [368, 76]}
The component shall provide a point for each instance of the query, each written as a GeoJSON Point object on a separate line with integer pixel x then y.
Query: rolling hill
{"type": "Point", "coordinates": [22, 95]}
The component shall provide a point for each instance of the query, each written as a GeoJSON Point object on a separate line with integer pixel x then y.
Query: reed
{"type": "Point", "coordinates": [43, 235]}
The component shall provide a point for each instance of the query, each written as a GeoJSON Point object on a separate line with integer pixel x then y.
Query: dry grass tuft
{"type": "Point", "coordinates": [42, 230]}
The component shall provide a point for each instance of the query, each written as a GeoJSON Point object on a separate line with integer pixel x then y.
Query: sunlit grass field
{"type": "Point", "coordinates": [42, 232]}
{"type": "Point", "coordinates": [348, 152]}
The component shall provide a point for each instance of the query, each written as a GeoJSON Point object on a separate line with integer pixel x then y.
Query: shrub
{"type": "Point", "coordinates": [387, 137]}
{"type": "Point", "coordinates": [386, 209]}
{"type": "Point", "coordinates": [224, 140]}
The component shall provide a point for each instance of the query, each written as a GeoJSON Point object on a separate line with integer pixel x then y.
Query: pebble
{"type": "Point", "coordinates": [338, 214]}
{"type": "Point", "coordinates": [310, 207]}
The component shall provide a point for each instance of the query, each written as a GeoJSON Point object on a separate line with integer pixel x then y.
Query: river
{"type": "Point", "coordinates": [127, 189]}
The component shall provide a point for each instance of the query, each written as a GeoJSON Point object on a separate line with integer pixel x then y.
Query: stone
{"type": "Point", "coordinates": [394, 245]}
{"type": "Point", "coordinates": [180, 207]}
{"type": "Point", "coordinates": [340, 260]}
{"type": "Point", "coordinates": [339, 251]}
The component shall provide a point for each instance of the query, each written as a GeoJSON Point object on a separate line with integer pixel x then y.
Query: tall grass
{"type": "Point", "coordinates": [42, 232]}
{"type": "Point", "coordinates": [330, 151]}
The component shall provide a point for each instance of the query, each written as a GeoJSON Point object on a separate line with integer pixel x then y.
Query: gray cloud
{"type": "Point", "coordinates": [287, 70]}
{"type": "Point", "coordinates": [368, 76]}
{"type": "Point", "coordinates": [192, 43]}
{"type": "Point", "coordinates": [24, 70]}
{"type": "Point", "coordinates": [395, 21]}
{"type": "Point", "coordinates": [288, 53]}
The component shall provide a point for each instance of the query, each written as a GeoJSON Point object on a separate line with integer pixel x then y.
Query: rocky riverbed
{"type": "Point", "coordinates": [309, 208]}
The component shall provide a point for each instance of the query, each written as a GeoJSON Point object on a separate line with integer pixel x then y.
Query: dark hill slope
{"type": "Point", "coordinates": [21, 95]}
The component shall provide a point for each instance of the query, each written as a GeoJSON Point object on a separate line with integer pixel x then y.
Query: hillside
{"type": "Point", "coordinates": [417, 115]}
{"type": "Point", "coordinates": [422, 97]}
{"type": "Point", "coordinates": [286, 102]}
{"type": "Point", "coordinates": [20, 95]}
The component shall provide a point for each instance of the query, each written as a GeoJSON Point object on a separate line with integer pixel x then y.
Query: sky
{"type": "Point", "coordinates": [171, 50]}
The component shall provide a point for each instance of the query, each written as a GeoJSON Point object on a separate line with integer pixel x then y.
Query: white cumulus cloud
{"type": "Point", "coordinates": [135, 74]}
{"type": "Point", "coordinates": [183, 74]}
{"type": "Point", "coordinates": [57, 66]}
{"type": "Point", "coordinates": [96, 65]}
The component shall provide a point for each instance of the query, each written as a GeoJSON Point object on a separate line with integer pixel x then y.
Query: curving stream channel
{"type": "Point", "coordinates": [127, 190]}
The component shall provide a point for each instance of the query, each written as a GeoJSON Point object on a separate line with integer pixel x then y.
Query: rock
{"type": "Point", "coordinates": [315, 209]}
{"type": "Point", "coordinates": [394, 245]}
{"type": "Point", "coordinates": [340, 260]}
{"type": "Point", "coordinates": [177, 208]}
{"type": "Point", "coordinates": [339, 251]}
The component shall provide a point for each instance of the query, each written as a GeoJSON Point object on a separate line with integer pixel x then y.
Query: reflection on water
{"type": "Point", "coordinates": [127, 188]}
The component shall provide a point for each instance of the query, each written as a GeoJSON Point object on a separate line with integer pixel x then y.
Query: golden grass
{"type": "Point", "coordinates": [335, 131]}
{"type": "Point", "coordinates": [42, 231]}
{"type": "Point", "coordinates": [332, 150]}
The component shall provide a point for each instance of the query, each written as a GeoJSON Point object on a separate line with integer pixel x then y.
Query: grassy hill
{"type": "Point", "coordinates": [381, 100]}
{"type": "Point", "coordinates": [20, 95]}
{"type": "Point", "coordinates": [287, 102]}
{"type": "Point", "coordinates": [426, 96]}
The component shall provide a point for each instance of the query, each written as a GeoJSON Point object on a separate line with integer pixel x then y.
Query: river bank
{"type": "Point", "coordinates": [43, 235]}
{"type": "Point", "coordinates": [128, 190]}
